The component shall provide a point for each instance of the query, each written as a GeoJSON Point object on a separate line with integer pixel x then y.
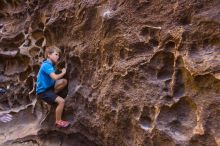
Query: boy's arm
{"type": "Point", "coordinates": [58, 76]}
{"type": "Point", "coordinates": [49, 69]}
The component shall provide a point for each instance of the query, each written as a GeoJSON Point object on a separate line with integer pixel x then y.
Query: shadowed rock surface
{"type": "Point", "coordinates": [140, 72]}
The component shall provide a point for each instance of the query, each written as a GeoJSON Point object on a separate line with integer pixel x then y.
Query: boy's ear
{"type": "Point", "coordinates": [47, 55]}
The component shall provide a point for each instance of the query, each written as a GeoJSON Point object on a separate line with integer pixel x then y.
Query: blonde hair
{"type": "Point", "coordinates": [50, 50]}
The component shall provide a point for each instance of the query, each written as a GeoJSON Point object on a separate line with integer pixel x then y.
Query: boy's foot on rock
{"type": "Point", "coordinates": [62, 124]}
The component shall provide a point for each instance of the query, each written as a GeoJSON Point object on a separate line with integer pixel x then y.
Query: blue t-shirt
{"type": "Point", "coordinates": [44, 81]}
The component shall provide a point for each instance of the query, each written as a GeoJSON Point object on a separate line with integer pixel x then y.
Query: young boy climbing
{"type": "Point", "coordinates": [49, 83]}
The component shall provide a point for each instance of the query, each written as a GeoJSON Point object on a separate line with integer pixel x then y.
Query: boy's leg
{"type": "Point", "coordinates": [59, 85]}
{"type": "Point", "coordinates": [50, 97]}
{"type": "Point", "coordinates": [59, 108]}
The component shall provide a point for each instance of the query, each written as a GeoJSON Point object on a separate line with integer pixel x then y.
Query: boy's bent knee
{"type": "Point", "coordinates": [61, 82]}
{"type": "Point", "coordinates": [65, 82]}
{"type": "Point", "coordinates": [60, 100]}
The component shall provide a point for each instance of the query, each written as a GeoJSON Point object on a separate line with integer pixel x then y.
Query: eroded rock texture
{"type": "Point", "coordinates": [141, 72]}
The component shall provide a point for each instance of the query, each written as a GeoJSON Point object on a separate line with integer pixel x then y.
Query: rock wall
{"type": "Point", "coordinates": [140, 72]}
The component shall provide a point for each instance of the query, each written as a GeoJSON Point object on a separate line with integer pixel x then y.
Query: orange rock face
{"type": "Point", "coordinates": [140, 72]}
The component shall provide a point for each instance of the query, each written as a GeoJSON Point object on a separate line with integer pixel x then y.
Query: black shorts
{"type": "Point", "coordinates": [48, 96]}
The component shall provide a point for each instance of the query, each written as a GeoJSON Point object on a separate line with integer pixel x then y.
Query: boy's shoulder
{"type": "Point", "coordinates": [47, 67]}
{"type": "Point", "coordinates": [46, 64]}
{"type": "Point", "coordinates": [43, 64]}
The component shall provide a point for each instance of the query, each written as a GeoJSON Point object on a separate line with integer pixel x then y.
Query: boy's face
{"type": "Point", "coordinates": [54, 57]}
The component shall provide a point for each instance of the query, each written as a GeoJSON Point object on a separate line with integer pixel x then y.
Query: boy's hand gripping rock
{"type": "Point", "coordinates": [64, 70]}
